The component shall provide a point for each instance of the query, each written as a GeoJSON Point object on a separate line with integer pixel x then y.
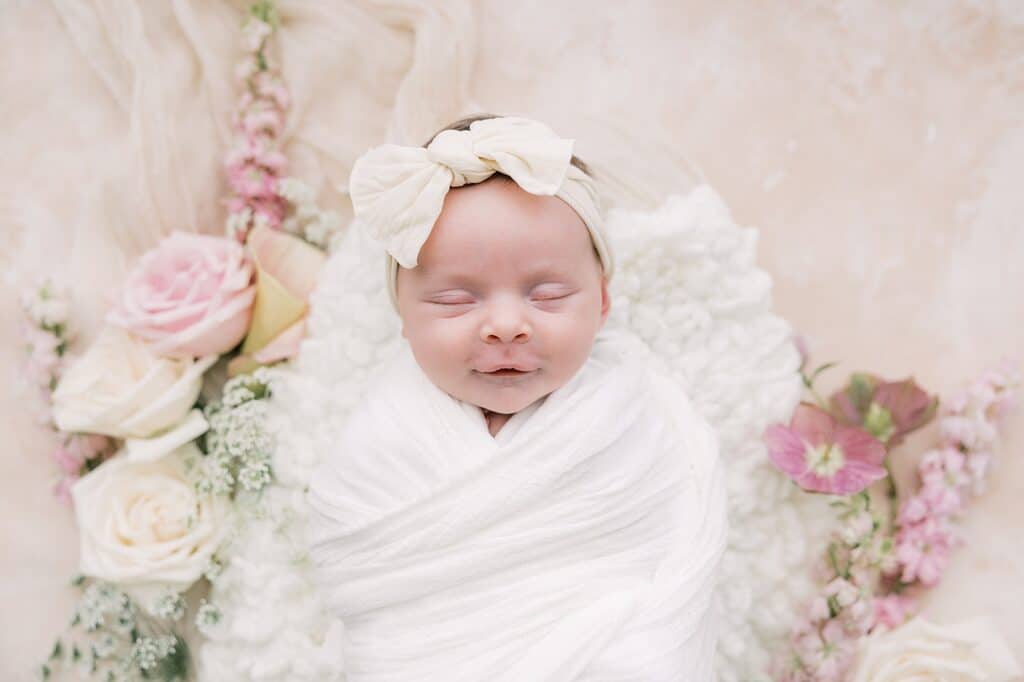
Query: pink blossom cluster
{"type": "Point", "coordinates": [45, 333]}
{"type": "Point", "coordinates": [254, 163]}
{"type": "Point", "coordinates": [823, 641]}
{"type": "Point", "coordinates": [949, 474]}
{"type": "Point", "coordinates": [78, 454]}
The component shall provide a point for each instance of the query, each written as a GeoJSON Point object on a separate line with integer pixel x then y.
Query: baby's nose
{"type": "Point", "coordinates": [506, 323]}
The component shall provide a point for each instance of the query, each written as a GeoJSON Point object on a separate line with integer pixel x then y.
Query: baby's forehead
{"type": "Point", "coordinates": [503, 222]}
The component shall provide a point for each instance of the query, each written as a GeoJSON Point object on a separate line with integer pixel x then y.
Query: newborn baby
{"type": "Point", "coordinates": [507, 297]}
{"type": "Point", "coordinates": [521, 496]}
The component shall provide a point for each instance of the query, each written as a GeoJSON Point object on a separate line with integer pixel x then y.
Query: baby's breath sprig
{"type": "Point", "coordinates": [238, 445]}
{"type": "Point", "coordinates": [111, 638]}
{"type": "Point", "coordinates": [305, 218]}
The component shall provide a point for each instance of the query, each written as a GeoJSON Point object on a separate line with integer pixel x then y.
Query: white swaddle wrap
{"type": "Point", "coordinates": [579, 543]}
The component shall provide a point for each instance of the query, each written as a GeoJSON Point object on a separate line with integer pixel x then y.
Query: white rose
{"type": "Point", "coordinates": [143, 525]}
{"type": "Point", "coordinates": [120, 388]}
{"type": "Point", "coordinates": [918, 650]}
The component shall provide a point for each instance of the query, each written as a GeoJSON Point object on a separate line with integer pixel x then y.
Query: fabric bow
{"type": "Point", "coordinates": [398, 192]}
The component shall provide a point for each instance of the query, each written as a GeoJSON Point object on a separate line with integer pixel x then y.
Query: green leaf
{"type": "Point", "coordinates": [822, 368]}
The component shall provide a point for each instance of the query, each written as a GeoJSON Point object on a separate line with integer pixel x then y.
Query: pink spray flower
{"type": "Point", "coordinates": [923, 550]}
{"type": "Point", "coordinates": [68, 459]}
{"type": "Point", "coordinates": [251, 180]}
{"type": "Point", "coordinates": [828, 653]}
{"type": "Point", "coordinates": [893, 610]}
{"type": "Point", "coordinates": [823, 456]}
{"type": "Point", "coordinates": [62, 491]}
{"type": "Point", "coordinates": [271, 87]}
{"type": "Point", "coordinates": [262, 119]}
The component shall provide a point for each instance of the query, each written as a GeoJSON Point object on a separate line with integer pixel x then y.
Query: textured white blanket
{"type": "Point", "coordinates": [581, 542]}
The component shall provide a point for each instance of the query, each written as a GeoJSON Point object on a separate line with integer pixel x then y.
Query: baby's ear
{"type": "Point", "coordinates": [606, 300]}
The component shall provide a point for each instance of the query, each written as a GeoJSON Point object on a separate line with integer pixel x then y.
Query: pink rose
{"type": "Point", "coordinates": [288, 269]}
{"type": "Point", "coordinates": [190, 296]}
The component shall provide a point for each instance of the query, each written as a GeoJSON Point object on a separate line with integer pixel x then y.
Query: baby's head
{"type": "Point", "coordinates": [508, 290]}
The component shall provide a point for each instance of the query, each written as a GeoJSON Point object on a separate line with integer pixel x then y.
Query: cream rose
{"type": "Point", "coordinates": [143, 526]}
{"type": "Point", "coordinates": [968, 652]}
{"type": "Point", "coordinates": [120, 388]}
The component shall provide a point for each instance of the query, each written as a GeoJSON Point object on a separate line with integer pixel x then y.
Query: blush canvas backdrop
{"type": "Point", "coordinates": [878, 149]}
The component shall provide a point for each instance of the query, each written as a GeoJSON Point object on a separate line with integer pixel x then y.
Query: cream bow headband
{"type": "Point", "coordinates": [398, 192]}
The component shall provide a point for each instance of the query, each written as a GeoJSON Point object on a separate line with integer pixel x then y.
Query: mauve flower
{"type": "Point", "coordinates": [909, 406]}
{"type": "Point", "coordinates": [888, 409]}
{"type": "Point", "coordinates": [191, 296]}
{"type": "Point", "coordinates": [821, 455]}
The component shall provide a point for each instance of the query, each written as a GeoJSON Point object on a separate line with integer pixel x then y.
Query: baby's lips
{"type": "Point", "coordinates": [506, 365]}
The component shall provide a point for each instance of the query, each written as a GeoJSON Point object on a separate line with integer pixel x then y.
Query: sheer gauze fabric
{"type": "Point", "coordinates": [579, 543]}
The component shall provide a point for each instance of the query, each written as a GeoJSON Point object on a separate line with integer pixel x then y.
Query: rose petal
{"type": "Point", "coordinates": [149, 449]}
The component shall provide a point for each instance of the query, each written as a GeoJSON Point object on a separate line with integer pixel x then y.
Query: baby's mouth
{"type": "Point", "coordinates": [511, 370]}
{"type": "Point", "coordinates": [506, 372]}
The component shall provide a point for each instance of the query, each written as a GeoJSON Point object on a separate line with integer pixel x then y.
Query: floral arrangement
{"type": "Point", "coordinates": [163, 450]}
{"type": "Point", "coordinates": [887, 549]}
{"type": "Point", "coordinates": [160, 422]}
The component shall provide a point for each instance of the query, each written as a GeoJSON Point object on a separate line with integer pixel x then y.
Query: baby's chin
{"type": "Point", "coordinates": [505, 399]}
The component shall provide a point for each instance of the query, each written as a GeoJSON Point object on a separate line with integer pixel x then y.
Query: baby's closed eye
{"type": "Point", "coordinates": [451, 298]}
{"type": "Point", "coordinates": [551, 292]}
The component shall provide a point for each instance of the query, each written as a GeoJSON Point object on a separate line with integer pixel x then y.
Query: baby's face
{"type": "Point", "coordinates": [507, 279]}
